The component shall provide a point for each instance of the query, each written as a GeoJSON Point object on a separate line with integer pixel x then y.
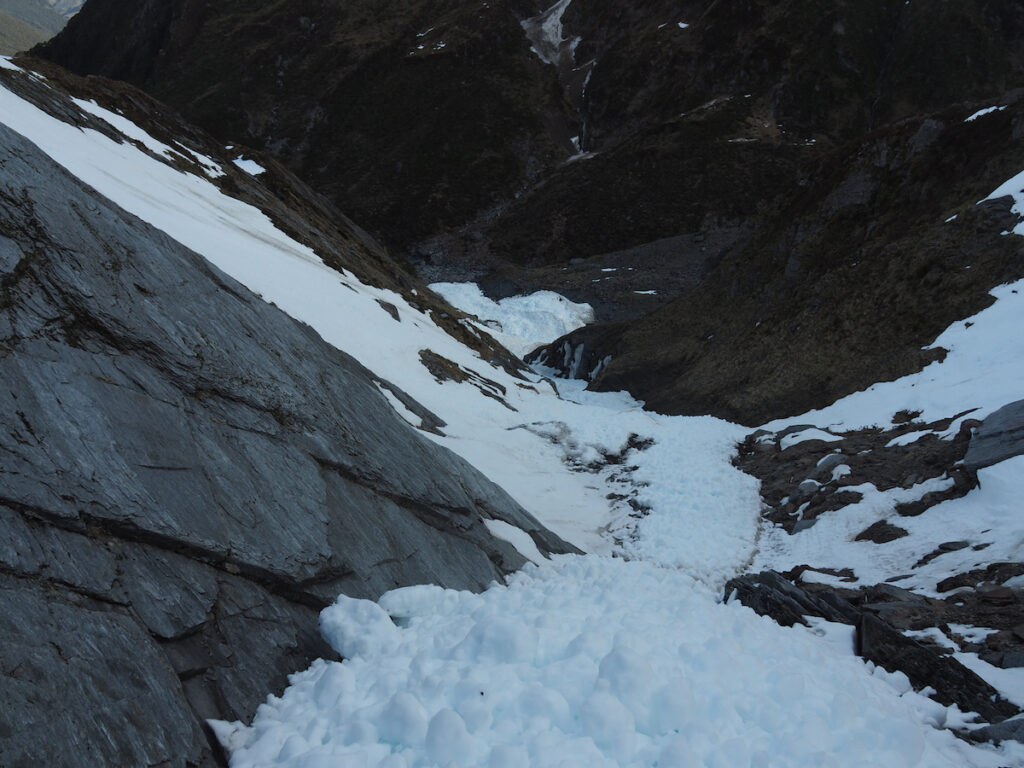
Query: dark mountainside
{"type": "Point", "coordinates": [779, 172]}
{"type": "Point", "coordinates": [190, 475]}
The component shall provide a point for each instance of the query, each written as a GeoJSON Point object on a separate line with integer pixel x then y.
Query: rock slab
{"type": "Point", "coordinates": [1000, 437]}
{"type": "Point", "coordinates": [187, 476]}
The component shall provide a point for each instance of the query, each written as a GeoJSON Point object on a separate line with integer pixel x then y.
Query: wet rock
{"type": "Point", "coordinates": [997, 595]}
{"type": "Point", "coordinates": [823, 469]}
{"type": "Point", "coordinates": [880, 643]}
{"type": "Point", "coordinates": [1000, 437]}
{"type": "Point", "coordinates": [771, 594]}
{"type": "Point", "coordinates": [881, 613]}
{"type": "Point", "coordinates": [803, 478]}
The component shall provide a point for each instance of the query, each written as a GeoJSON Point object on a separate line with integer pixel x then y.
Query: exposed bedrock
{"type": "Point", "coordinates": [187, 476]}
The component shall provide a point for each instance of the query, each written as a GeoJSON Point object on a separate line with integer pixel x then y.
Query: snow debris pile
{"type": "Point", "coordinates": [588, 662]}
{"type": "Point", "coordinates": [520, 323]}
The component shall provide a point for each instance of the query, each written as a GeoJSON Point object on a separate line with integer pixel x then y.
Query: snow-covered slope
{"type": "Point", "coordinates": [624, 656]}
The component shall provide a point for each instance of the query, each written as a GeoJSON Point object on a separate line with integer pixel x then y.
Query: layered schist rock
{"type": "Point", "coordinates": [187, 476]}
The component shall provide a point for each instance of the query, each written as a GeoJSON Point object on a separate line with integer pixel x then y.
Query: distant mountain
{"type": "Point", "coordinates": [772, 178]}
{"type": "Point", "coordinates": [16, 35]}
{"type": "Point", "coordinates": [35, 13]}
{"type": "Point", "coordinates": [66, 8]}
{"type": "Point", "coordinates": [25, 23]}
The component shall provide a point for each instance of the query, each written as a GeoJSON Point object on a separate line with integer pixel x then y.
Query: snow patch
{"type": "Point", "coordinates": [249, 166]}
{"type": "Point", "coordinates": [520, 323]}
{"type": "Point", "coordinates": [545, 32]}
{"type": "Point", "coordinates": [807, 434]}
{"type": "Point", "coordinates": [982, 112]}
{"type": "Point", "coordinates": [518, 538]}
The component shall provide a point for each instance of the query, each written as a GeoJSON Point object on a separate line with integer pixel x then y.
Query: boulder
{"type": "Point", "coordinates": [771, 594]}
{"type": "Point", "coordinates": [1000, 437]}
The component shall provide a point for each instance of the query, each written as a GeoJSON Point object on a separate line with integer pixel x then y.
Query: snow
{"type": "Point", "coordinates": [982, 370]}
{"type": "Point", "coordinates": [520, 323]}
{"type": "Point", "coordinates": [971, 634]}
{"type": "Point", "coordinates": [587, 660]}
{"type": "Point", "coordinates": [981, 112]}
{"type": "Point", "coordinates": [249, 166]}
{"type": "Point", "coordinates": [1009, 682]}
{"type": "Point", "coordinates": [130, 130]}
{"type": "Point", "coordinates": [518, 538]}
{"type": "Point", "coordinates": [908, 438]}
{"type": "Point", "coordinates": [989, 515]}
{"type": "Point", "coordinates": [1014, 188]}
{"type": "Point", "coordinates": [545, 32]}
{"type": "Point", "coordinates": [590, 662]}
{"type": "Point", "coordinates": [6, 63]}
{"type": "Point", "coordinates": [807, 434]}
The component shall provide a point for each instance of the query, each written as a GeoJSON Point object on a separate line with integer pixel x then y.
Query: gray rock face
{"type": "Point", "coordinates": [954, 683]}
{"type": "Point", "coordinates": [771, 594]}
{"type": "Point", "coordinates": [1012, 728]}
{"type": "Point", "coordinates": [1000, 437]}
{"type": "Point", "coordinates": [187, 476]}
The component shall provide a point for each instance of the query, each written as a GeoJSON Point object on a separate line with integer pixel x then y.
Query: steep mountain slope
{"type": "Point", "coordinates": [740, 164]}
{"type": "Point", "coordinates": [189, 474]}
{"type": "Point", "coordinates": [441, 99]}
{"type": "Point", "coordinates": [213, 400]}
{"type": "Point", "coordinates": [883, 248]}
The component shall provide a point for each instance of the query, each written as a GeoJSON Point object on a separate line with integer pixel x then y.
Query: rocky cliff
{"type": "Point", "coordinates": [188, 476]}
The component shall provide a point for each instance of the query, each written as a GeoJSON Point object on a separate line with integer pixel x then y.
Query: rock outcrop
{"type": "Point", "coordinates": [998, 438]}
{"type": "Point", "coordinates": [187, 476]}
{"type": "Point", "coordinates": [877, 640]}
